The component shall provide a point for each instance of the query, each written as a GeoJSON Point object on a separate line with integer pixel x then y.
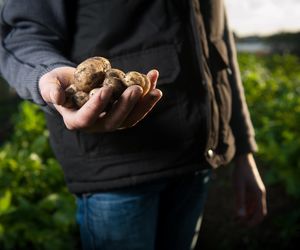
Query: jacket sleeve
{"type": "Point", "coordinates": [240, 122]}
{"type": "Point", "coordinates": [34, 40]}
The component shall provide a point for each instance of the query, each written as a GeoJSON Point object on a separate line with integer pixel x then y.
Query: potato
{"type": "Point", "coordinates": [96, 72]}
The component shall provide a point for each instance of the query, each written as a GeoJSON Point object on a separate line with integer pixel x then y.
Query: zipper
{"type": "Point", "coordinates": [200, 55]}
{"type": "Point", "coordinates": [199, 50]}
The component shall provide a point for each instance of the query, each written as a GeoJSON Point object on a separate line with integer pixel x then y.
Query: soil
{"type": "Point", "coordinates": [220, 230]}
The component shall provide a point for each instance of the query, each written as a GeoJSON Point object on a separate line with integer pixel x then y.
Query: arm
{"type": "Point", "coordinates": [36, 38]}
{"type": "Point", "coordinates": [250, 192]}
{"type": "Point", "coordinates": [241, 124]}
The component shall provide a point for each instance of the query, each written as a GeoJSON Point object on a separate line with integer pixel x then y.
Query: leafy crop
{"type": "Point", "coordinates": [36, 210]}
{"type": "Point", "coordinates": [272, 86]}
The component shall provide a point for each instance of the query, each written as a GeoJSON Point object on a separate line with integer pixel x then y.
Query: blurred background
{"type": "Point", "coordinates": [37, 212]}
{"type": "Point", "coordinates": [268, 42]}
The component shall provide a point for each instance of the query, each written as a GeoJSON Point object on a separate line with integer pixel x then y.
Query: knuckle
{"type": "Point", "coordinates": [133, 92]}
{"type": "Point", "coordinates": [82, 123]}
{"type": "Point", "coordinates": [108, 127]}
{"type": "Point", "coordinates": [91, 107]}
{"type": "Point", "coordinates": [137, 90]}
{"type": "Point", "coordinates": [69, 126]}
{"type": "Point", "coordinates": [123, 109]}
{"type": "Point", "coordinates": [43, 92]}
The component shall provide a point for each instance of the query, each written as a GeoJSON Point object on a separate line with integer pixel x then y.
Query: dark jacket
{"type": "Point", "coordinates": [202, 120]}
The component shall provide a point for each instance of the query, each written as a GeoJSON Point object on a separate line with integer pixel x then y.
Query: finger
{"type": "Point", "coordinates": [67, 77]}
{"type": "Point", "coordinates": [52, 84]}
{"type": "Point", "coordinates": [240, 203]}
{"type": "Point", "coordinates": [153, 77]}
{"type": "Point", "coordinates": [259, 212]}
{"type": "Point", "coordinates": [119, 112]}
{"type": "Point", "coordinates": [256, 218]}
{"type": "Point", "coordinates": [86, 116]}
{"type": "Point", "coordinates": [264, 204]}
{"type": "Point", "coordinates": [143, 108]}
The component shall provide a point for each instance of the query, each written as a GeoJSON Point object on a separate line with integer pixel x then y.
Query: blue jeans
{"type": "Point", "coordinates": [161, 215]}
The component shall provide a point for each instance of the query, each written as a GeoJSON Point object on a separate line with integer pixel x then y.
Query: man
{"type": "Point", "coordinates": [140, 177]}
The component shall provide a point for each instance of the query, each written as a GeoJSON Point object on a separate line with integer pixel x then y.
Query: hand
{"type": "Point", "coordinates": [130, 108]}
{"type": "Point", "coordinates": [251, 206]}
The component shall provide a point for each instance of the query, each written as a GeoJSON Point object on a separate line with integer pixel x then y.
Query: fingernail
{"type": "Point", "coordinates": [105, 92]}
{"type": "Point", "coordinates": [155, 93]}
{"type": "Point", "coordinates": [153, 73]}
{"type": "Point", "coordinates": [94, 91]}
{"type": "Point", "coordinates": [136, 92]}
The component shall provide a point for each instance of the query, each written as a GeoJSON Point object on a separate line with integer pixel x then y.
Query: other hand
{"type": "Point", "coordinates": [250, 192]}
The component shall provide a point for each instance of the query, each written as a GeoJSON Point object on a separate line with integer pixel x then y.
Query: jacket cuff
{"type": "Point", "coordinates": [248, 145]}
{"type": "Point", "coordinates": [33, 84]}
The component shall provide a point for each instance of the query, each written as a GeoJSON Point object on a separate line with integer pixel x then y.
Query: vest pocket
{"type": "Point", "coordinates": [219, 58]}
{"type": "Point", "coordinates": [163, 58]}
{"type": "Point", "coordinates": [153, 132]}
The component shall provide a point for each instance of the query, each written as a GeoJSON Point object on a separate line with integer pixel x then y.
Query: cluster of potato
{"type": "Point", "coordinates": [96, 72]}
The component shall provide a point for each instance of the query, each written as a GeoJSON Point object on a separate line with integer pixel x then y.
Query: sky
{"type": "Point", "coordinates": [263, 17]}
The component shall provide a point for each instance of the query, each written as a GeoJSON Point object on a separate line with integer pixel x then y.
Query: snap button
{"type": "Point", "coordinates": [229, 71]}
{"type": "Point", "coordinates": [210, 153]}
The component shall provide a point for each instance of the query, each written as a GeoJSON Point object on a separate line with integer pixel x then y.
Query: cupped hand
{"type": "Point", "coordinates": [130, 108]}
{"type": "Point", "coordinates": [250, 192]}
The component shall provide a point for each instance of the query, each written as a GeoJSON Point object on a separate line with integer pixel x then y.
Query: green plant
{"type": "Point", "coordinates": [272, 86]}
{"type": "Point", "coordinates": [36, 210]}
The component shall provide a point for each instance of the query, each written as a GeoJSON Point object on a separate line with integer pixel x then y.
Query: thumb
{"type": "Point", "coordinates": [52, 91]}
